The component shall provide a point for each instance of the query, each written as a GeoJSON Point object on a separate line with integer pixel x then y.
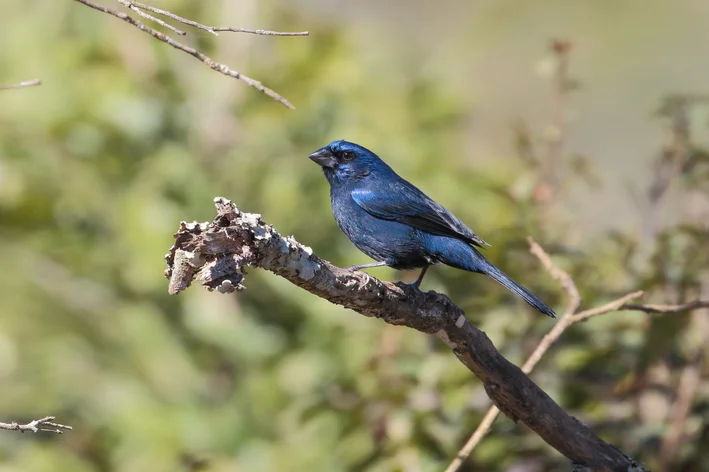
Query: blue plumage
{"type": "Point", "coordinates": [396, 224]}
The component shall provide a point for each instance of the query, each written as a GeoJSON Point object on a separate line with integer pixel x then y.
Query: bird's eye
{"type": "Point", "coordinates": [348, 155]}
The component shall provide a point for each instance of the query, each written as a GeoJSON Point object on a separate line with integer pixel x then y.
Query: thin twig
{"type": "Point", "coordinates": [214, 29]}
{"type": "Point", "coordinates": [550, 174]}
{"type": "Point", "coordinates": [688, 385]}
{"type": "Point", "coordinates": [132, 6]}
{"type": "Point", "coordinates": [42, 424]}
{"type": "Point", "coordinates": [26, 83]}
{"type": "Point", "coordinates": [477, 436]}
{"type": "Point", "coordinates": [689, 381]}
{"type": "Point", "coordinates": [668, 165]}
{"type": "Point", "coordinates": [567, 283]}
{"type": "Point", "coordinates": [569, 318]}
{"type": "Point", "coordinates": [615, 305]}
{"type": "Point", "coordinates": [191, 51]}
{"type": "Point", "coordinates": [561, 49]}
{"type": "Point", "coordinates": [667, 308]}
{"type": "Point", "coordinates": [175, 17]}
{"type": "Point", "coordinates": [257, 31]}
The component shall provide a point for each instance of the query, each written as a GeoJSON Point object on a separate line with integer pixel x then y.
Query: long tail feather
{"type": "Point", "coordinates": [507, 282]}
{"type": "Point", "coordinates": [460, 254]}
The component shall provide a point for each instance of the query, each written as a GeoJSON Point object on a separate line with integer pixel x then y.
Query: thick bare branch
{"type": "Point", "coordinates": [215, 256]}
{"type": "Point", "coordinates": [212, 64]}
{"type": "Point", "coordinates": [42, 424]}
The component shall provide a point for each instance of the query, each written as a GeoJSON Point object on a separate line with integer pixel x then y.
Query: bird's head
{"type": "Point", "coordinates": [342, 160]}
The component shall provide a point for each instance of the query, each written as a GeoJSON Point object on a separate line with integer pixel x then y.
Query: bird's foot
{"type": "Point", "coordinates": [416, 284]}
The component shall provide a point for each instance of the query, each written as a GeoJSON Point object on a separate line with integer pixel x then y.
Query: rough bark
{"type": "Point", "coordinates": [216, 254]}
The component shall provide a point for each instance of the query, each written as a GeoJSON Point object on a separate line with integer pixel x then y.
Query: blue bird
{"type": "Point", "coordinates": [396, 224]}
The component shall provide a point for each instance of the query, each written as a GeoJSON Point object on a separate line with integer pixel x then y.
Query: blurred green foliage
{"type": "Point", "coordinates": [126, 137]}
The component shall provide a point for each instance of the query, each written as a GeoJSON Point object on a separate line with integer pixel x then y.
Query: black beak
{"type": "Point", "coordinates": [323, 157]}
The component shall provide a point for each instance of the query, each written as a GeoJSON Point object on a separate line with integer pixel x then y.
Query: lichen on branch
{"type": "Point", "coordinates": [216, 254]}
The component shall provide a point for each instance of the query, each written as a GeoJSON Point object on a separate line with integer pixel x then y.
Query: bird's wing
{"type": "Point", "coordinates": [404, 203]}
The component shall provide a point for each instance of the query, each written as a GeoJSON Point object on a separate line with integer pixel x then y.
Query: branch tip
{"type": "Point", "coordinates": [208, 61]}
{"type": "Point", "coordinates": [26, 83]}
{"type": "Point", "coordinates": [45, 424]}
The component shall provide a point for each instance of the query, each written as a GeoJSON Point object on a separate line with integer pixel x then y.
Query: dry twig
{"type": "Point", "coordinates": [667, 308]}
{"type": "Point", "coordinates": [138, 7]}
{"type": "Point", "coordinates": [674, 158]}
{"type": "Point", "coordinates": [216, 255]}
{"type": "Point", "coordinates": [553, 170]}
{"type": "Point", "coordinates": [42, 424]}
{"type": "Point", "coordinates": [688, 385]}
{"type": "Point", "coordinates": [26, 83]}
{"type": "Point", "coordinates": [568, 319]}
{"type": "Point", "coordinates": [211, 29]}
{"type": "Point", "coordinates": [134, 7]}
{"type": "Point", "coordinates": [689, 382]}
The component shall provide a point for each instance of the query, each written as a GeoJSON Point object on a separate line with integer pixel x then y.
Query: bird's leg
{"type": "Point", "coordinates": [367, 266]}
{"type": "Point", "coordinates": [420, 277]}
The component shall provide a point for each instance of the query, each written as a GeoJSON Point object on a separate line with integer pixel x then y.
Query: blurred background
{"type": "Point", "coordinates": [582, 124]}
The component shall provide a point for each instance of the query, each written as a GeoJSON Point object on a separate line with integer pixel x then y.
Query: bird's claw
{"type": "Point", "coordinates": [414, 285]}
{"type": "Point", "coordinates": [365, 275]}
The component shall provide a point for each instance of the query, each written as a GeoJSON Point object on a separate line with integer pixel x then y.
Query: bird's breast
{"type": "Point", "coordinates": [379, 239]}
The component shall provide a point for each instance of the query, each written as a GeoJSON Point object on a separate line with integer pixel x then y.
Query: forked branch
{"type": "Point", "coordinates": [139, 8]}
{"type": "Point", "coordinates": [43, 424]}
{"type": "Point", "coordinates": [570, 317]}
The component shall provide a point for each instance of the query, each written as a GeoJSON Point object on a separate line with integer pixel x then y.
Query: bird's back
{"type": "Point", "coordinates": [386, 195]}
